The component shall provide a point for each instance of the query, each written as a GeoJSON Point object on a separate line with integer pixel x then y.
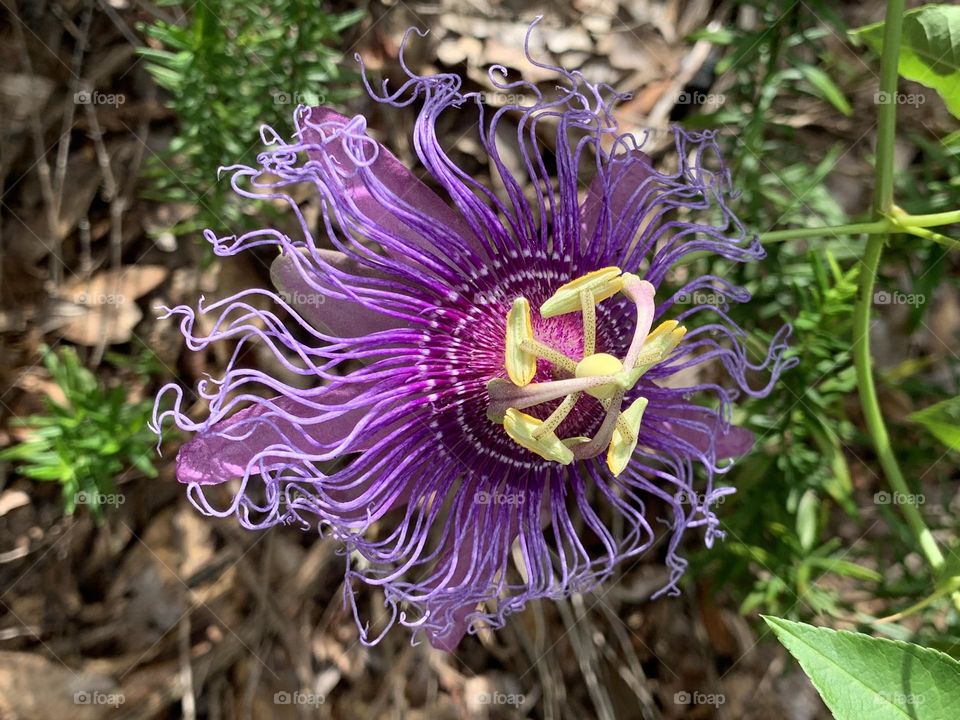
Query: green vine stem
{"type": "Point", "coordinates": [884, 210]}
{"type": "Point", "coordinates": [895, 221]}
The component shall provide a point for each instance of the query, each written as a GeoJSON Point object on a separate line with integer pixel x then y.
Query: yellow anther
{"type": "Point", "coordinates": [597, 365]}
{"type": "Point", "coordinates": [659, 344]}
{"type": "Point", "coordinates": [603, 283]}
{"type": "Point", "coordinates": [623, 443]}
{"type": "Point", "coordinates": [521, 365]}
{"type": "Point", "coordinates": [521, 427]}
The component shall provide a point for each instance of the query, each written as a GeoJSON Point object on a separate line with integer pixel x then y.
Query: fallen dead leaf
{"type": "Point", "coordinates": [11, 500]}
{"type": "Point", "coordinates": [103, 309]}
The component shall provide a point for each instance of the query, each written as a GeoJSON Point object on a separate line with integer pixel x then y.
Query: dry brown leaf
{"type": "Point", "coordinates": [35, 688]}
{"type": "Point", "coordinates": [114, 286]}
{"type": "Point", "coordinates": [106, 324]}
{"type": "Point", "coordinates": [11, 500]}
{"type": "Point", "coordinates": [103, 309]}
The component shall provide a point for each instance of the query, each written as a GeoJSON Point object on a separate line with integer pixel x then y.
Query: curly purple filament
{"type": "Point", "coordinates": [397, 324]}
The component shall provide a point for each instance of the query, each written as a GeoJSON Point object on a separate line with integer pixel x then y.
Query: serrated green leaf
{"type": "Point", "coordinates": [930, 49]}
{"type": "Point", "coordinates": [860, 677]}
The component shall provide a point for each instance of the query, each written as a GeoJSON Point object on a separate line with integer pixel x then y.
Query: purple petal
{"type": "Point", "coordinates": [298, 279]}
{"type": "Point", "coordinates": [613, 191]}
{"type": "Point", "coordinates": [448, 638]}
{"type": "Point", "coordinates": [225, 450]}
{"type": "Point", "coordinates": [477, 557]}
{"type": "Point", "coordinates": [731, 442]}
{"type": "Point", "coordinates": [406, 189]}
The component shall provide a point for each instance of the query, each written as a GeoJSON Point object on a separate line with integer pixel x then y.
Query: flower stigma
{"type": "Point", "coordinates": [598, 374]}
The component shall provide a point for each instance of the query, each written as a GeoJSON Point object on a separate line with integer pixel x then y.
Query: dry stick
{"type": "Point", "coordinates": [3, 182]}
{"type": "Point", "coordinates": [259, 621]}
{"type": "Point", "coordinates": [117, 204]}
{"type": "Point", "coordinates": [580, 631]}
{"type": "Point", "coordinates": [86, 242]}
{"type": "Point", "coordinates": [143, 135]}
{"type": "Point", "coordinates": [120, 24]}
{"type": "Point", "coordinates": [632, 672]}
{"type": "Point", "coordinates": [43, 168]}
{"type": "Point", "coordinates": [63, 148]}
{"type": "Point", "coordinates": [222, 656]}
{"type": "Point", "coordinates": [537, 651]}
{"type": "Point", "coordinates": [277, 623]}
{"type": "Point", "coordinates": [245, 711]}
{"type": "Point", "coordinates": [388, 684]}
{"type": "Point", "coordinates": [188, 703]}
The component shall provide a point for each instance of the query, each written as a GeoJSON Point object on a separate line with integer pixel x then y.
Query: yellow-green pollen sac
{"type": "Point", "coordinates": [600, 375]}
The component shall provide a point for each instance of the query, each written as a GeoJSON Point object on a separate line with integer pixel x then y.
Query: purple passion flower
{"type": "Point", "coordinates": [478, 388]}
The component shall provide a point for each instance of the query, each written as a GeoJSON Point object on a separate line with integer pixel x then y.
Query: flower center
{"type": "Point", "coordinates": [599, 375]}
{"type": "Point", "coordinates": [599, 365]}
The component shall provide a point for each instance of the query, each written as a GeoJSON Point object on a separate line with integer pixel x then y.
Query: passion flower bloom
{"type": "Point", "coordinates": [484, 396]}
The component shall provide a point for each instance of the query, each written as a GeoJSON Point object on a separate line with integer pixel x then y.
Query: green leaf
{"type": "Point", "coordinates": [930, 50]}
{"type": "Point", "coordinates": [808, 510]}
{"type": "Point", "coordinates": [44, 473]}
{"type": "Point", "coordinates": [942, 421]}
{"type": "Point", "coordinates": [825, 88]}
{"type": "Point", "coordinates": [721, 36]}
{"type": "Point", "coordinates": [845, 567]}
{"type": "Point", "coordinates": [859, 676]}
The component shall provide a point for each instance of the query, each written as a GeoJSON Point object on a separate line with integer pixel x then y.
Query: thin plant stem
{"type": "Point", "coordinates": [883, 207]}
{"type": "Point", "coordinates": [931, 220]}
{"type": "Point", "coordinates": [896, 222]}
{"type": "Point", "coordinates": [852, 229]}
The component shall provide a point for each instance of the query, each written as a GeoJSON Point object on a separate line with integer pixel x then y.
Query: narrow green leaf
{"type": "Point", "coordinates": [807, 511]}
{"type": "Point", "coordinates": [826, 88]}
{"type": "Point", "coordinates": [860, 677]}
{"type": "Point", "coordinates": [45, 473]}
{"type": "Point", "coordinates": [942, 421]}
{"type": "Point", "coordinates": [952, 139]}
{"type": "Point", "coordinates": [845, 567]}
